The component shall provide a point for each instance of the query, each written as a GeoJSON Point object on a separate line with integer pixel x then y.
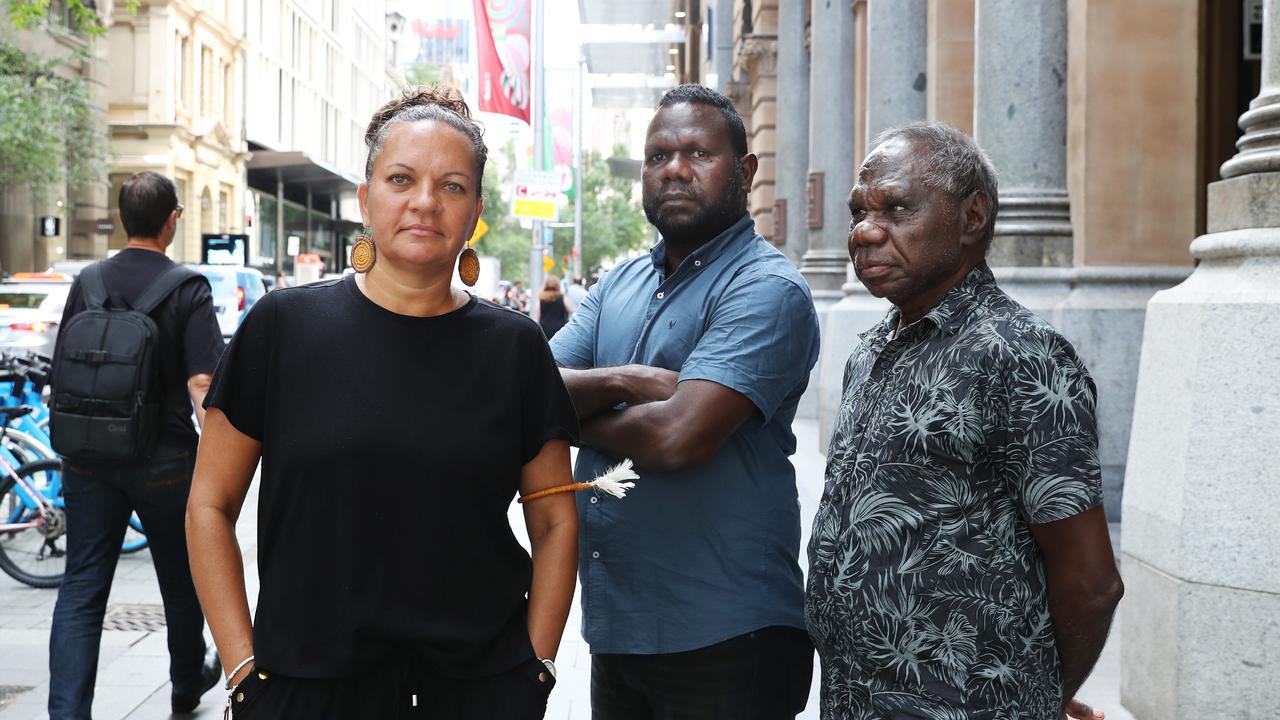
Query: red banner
{"type": "Point", "coordinates": [502, 42]}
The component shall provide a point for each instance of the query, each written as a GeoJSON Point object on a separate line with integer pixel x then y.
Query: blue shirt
{"type": "Point", "coordinates": [691, 558]}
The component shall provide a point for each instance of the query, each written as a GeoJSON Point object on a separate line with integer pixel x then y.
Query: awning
{"type": "Point", "coordinates": [296, 168]}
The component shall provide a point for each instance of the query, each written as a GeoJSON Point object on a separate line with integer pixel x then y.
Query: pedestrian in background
{"type": "Point", "coordinates": [574, 293]}
{"type": "Point", "coordinates": [521, 297]}
{"type": "Point", "coordinates": [692, 596]}
{"type": "Point", "coordinates": [413, 605]}
{"type": "Point", "coordinates": [962, 513]}
{"type": "Point", "coordinates": [155, 481]}
{"type": "Point", "coordinates": [552, 313]}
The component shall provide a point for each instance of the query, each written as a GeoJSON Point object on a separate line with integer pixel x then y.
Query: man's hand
{"type": "Point", "coordinates": [644, 384]}
{"type": "Point", "coordinates": [1077, 710]}
{"type": "Point", "coordinates": [599, 389]}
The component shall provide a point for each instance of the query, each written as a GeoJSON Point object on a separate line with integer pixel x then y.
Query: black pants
{"type": "Point", "coordinates": [401, 688]}
{"type": "Point", "coordinates": [763, 675]}
{"type": "Point", "coordinates": [99, 502]}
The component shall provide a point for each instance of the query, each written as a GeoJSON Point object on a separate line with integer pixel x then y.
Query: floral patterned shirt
{"type": "Point", "coordinates": [926, 593]}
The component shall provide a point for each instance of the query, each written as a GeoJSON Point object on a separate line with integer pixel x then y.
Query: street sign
{"type": "Point", "coordinates": [50, 225]}
{"type": "Point", "coordinates": [482, 227]}
{"type": "Point", "coordinates": [536, 195]}
{"type": "Point", "coordinates": [224, 249]}
{"type": "Point", "coordinates": [547, 263]}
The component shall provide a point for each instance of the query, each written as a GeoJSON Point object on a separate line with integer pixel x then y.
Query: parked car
{"type": "Point", "coordinates": [30, 310]}
{"type": "Point", "coordinates": [235, 290]}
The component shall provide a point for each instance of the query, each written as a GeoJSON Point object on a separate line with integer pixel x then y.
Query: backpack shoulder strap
{"type": "Point", "coordinates": [95, 293]}
{"type": "Point", "coordinates": [160, 289]}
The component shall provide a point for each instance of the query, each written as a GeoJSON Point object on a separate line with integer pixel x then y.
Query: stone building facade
{"type": "Point", "coordinates": [176, 104]}
{"type": "Point", "coordinates": [23, 247]}
{"type": "Point", "coordinates": [1097, 212]}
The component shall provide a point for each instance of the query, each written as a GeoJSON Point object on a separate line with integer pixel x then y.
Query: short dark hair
{"type": "Point", "coordinates": [146, 199]}
{"type": "Point", "coordinates": [695, 94]}
{"type": "Point", "coordinates": [956, 163]}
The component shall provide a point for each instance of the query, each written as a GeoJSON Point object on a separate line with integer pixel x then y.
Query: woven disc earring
{"type": "Point", "coordinates": [363, 254]}
{"type": "Point", "coordinates": [469, 266]}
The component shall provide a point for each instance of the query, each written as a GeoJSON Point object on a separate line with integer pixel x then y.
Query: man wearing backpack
{"type": "Point", "coordinates": [136, 352]}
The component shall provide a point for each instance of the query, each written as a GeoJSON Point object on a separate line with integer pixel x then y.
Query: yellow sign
{"type": "Point", "coordinates": [534, 209]}
{"type": "Point", "coordinates": [547, 263]}
{"type": "Point", "coordinates": [482, 227]}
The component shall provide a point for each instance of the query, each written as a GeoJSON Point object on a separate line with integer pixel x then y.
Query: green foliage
{"type": "Point", "coordinates": [51, 133]}
{"type": "Point", "coordinates": [613, 223]}
{"type": "Point", "coordinates": [506, 240]}
{"type": "Point", "coordinates": [81, 16]}
{"type": "Point", "coordinates": [423, 74]}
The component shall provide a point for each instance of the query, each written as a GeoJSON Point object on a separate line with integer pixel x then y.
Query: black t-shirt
{"type": "Point", "coordinates": [391, 451]}
{"type": "Point", "coordinates": [190, 340]}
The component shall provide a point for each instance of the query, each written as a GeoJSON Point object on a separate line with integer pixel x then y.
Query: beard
{"type": "Point", "coordinates": [710, 220]}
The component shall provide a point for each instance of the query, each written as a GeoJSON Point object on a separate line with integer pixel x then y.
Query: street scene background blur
{"type": "Point", "coordinates": [1126, 150]}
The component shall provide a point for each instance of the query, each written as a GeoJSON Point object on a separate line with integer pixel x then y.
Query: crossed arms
{"type": "Point", "coordinates": [666, 425]}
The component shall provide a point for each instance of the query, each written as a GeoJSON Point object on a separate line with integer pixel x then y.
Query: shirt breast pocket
{"type": "Point", "coordinates": [671, 340]}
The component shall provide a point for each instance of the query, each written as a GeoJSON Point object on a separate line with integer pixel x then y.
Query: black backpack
{"type": "Point", "coordinates": [105, 402]}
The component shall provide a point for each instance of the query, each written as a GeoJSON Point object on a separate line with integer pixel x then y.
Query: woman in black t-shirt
{"type": "Point", "coordinates": [395, 417]}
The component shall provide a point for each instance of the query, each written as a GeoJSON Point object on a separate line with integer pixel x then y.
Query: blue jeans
{"type": "Point", "coordinates": [99, 501]}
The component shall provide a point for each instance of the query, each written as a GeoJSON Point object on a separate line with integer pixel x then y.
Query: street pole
{"type": "Point", "coordinates": [539, 153]}
{"type": "Point", "coordinates": [578, 141]}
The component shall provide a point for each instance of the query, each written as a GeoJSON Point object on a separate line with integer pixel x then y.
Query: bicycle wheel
{"type": "Point", "coordinates": [35, 556]}
{"type": "Point", "coordinates": [135, 538]}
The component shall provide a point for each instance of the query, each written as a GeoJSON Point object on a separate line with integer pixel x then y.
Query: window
{"type": "Point", "coordinates": [228, 96]}
{"type": "Point", "coordinates": [224, 211]}
{"type": "Point", "coordinates": [184, 71]}
{"type": "Point", "coordinates": [206, 81]}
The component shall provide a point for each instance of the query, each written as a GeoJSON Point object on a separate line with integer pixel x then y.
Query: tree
{"type": "Point", "coordinates": [613, 224]}
{"type": "Point", "coordinates": [82, 15]}
{"type": "Point", "coordinates": [51, 133]}
{"type": "Point", "coordinates": [506, 240]}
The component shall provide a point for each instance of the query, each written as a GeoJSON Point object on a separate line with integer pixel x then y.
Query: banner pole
{"type": "Point", "coordinates": [538, 121]}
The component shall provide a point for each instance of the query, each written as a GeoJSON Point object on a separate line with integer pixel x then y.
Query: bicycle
{"type": "Point", "coordinates": [33, 519]}
{"type": "Point", "coordinates": [24, 380]}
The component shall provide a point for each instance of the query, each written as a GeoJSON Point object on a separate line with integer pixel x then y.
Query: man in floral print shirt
{"type": "Point", "coordinates": [960, 565]}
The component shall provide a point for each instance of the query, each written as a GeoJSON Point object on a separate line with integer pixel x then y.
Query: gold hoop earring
{"type": "Point", "coordinates": [469, 266]}
{"type": "Point", "coordinates": [363, 253]}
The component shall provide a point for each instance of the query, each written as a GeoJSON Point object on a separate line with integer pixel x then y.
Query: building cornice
{"type": "Point", "coordinates": [757, 54]}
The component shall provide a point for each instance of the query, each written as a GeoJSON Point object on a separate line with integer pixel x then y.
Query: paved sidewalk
{"type": "Point", "coordinates": [133, 668]}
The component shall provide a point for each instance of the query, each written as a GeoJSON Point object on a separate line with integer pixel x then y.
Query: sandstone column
{"type": "Point", "coordinates": [1020, 119]}
{"type": "Point", "coordinates": [790, 221]}
{"type": "Point", "coordinates": [895, 67]}
{"type": "Point", "coordinates": [897, 57]}
{"type": "Point", "coordinates": [1201, 616]}
{"type": "Point", "coordinates": [831, 150]}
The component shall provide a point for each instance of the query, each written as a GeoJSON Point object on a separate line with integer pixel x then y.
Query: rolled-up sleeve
{"type": "Point", "coordinates": [761, 340]}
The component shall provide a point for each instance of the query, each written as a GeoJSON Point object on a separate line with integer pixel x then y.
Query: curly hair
{"type": "Point", "coordinates": [426, 102]}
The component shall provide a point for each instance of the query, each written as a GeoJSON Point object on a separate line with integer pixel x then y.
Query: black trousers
{"type": "Point", "coordinates": [99, 502]}
{"type": "Point", "coordinates": [400, 688]}
{"type": "Point", "coordinates": [763, 675]}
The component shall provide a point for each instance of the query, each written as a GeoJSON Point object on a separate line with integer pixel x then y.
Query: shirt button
{"type": "Point", "coordinates": [595, 500]}
{"type": "Point", "coordinates": [660, 296]}
{"type": "Point", "coordinates": [595, 555]}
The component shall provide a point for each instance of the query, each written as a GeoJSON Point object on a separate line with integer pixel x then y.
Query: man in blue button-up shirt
{"type": "Point", "coordinates": [690, 361]}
